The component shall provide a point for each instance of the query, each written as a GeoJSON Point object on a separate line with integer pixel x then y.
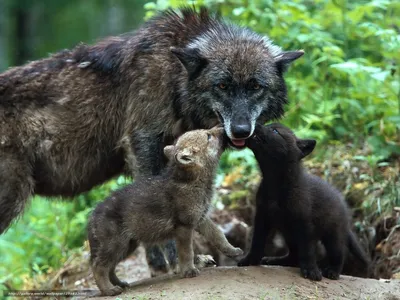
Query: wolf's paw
{"type": "Point", "coordinates": [233, 252]}
{"type": "Point", "coordinates": [202, 261]}
{"type": "Point", "coordinates": [330, 273]}
{"type": "Point", "coordinates": [266, 260]}
{"type": "Point", "coordinates": [191, 273]}
{"type": "Point", "coordinates": [115, 290]}
{"type": "Point", "coordinates": [312, 273]}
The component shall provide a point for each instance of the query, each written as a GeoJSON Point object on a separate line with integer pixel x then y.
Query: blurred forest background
{"type": "Point", "coordinates": [345, 92]}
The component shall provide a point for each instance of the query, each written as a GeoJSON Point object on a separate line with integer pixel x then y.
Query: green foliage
{"type": "Point", "coordinates": [47, 234]}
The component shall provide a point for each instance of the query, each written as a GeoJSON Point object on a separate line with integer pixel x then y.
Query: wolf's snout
{"type": "Point", "coordinates": [241, 131]}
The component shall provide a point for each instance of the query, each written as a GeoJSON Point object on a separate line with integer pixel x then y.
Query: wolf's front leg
{"type": "Point", "coordinates": [260, 234]}
{"type": "Point", "coordinates": [215, 236]}
{"type": "Point", "coordinates": [148, 149]}
{"type": "Point", "coordinates": [184, 243]}
{"type": "Point", "coordinates": [144, 156]}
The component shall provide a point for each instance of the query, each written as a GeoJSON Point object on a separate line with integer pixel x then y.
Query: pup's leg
{"type": "Point", "coordinates": [16, 186]}
{"type": "Point", "coordinates": [133, 244]}
{"type": "Point", "coordinates": [214, 235]}
{"type": "Point", "coordinates": [260, 233]}
{"type": "Point", "coordinates": [105, 254]}
{"type": "Point", "coordinates": [115, 280]}
{"type": "Point", "coordinates": [334, 245]}
{"type": "Point", "coordinates": [306, 245]}
{"type": "Point", "coordinates": [184, 243]}
{"type": "Point", "coordinates": [101, 275]}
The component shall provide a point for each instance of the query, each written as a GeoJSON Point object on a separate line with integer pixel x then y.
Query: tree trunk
{"type": "Point", "coordinates": [21, 50]}
{"type": "Point", "coordinates": [3, 37]}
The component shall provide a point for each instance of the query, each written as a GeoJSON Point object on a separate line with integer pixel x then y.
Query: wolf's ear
{"type": "Point", "coordinates": [169, 151]}
{"type": "Point", "coordinates": [306, 146]}
{"type": "Point", "coordinates": [185, 157]}
{"type": "Point", "coordinates": [191, 59]}
{"type": "Point", "coordinates": [284, 59]}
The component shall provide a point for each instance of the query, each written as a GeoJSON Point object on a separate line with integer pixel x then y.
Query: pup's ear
{"type": "Point", "coordinates": [306, 146]}
{"type": "Point", "coordinates": [191, 59]}
{"type": "Point", "coordinates": [169, 151]}
{"type": "Point", "coordinates": [185, 157]}
{"type": "Point", "coordinates": [284, 59]}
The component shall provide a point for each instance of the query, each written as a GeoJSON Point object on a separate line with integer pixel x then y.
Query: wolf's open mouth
{"type": "Point", "coordinates": [238, 143]}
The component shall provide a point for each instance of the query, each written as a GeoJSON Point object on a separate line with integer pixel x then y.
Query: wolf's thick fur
{"type": "Point", "coordinates": [82, 116]}
{"type": "Point", "coordinates": [151, 210]}
{"type": "Point", "coordinates": [304, 208]}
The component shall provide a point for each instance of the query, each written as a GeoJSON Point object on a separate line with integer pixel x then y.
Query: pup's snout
{"type": "Point", "coordinates": [217, 130]}
{"type": "Point", "coordinates": [241, 131]}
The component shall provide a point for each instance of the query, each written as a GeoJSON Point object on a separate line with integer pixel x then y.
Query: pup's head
{"type": "Point", "coordinates": [197, 148]}
{"type": "Point", "coordinates": [279, 143]}
{"type": "Point", "coordinates": [237, 75]}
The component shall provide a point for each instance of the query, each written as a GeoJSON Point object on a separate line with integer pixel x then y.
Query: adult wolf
{"type": "Point", "coordinates": [82, 116]}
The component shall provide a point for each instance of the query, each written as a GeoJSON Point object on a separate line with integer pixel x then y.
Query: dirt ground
{"type": "Point", "coordinates": [258, 283]}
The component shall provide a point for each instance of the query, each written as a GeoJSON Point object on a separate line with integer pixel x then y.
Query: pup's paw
{"type": "Point", "coordinates": [115, 290]}
{"type": "Point", "coordinates": [122, 284]}
{"type": "Point", "coordinates": [233, 252]}
{"type": "Point", "coordinates": [202, 261]}
{"type": "Point", "coordinates": [248, 261]}
{"type": "Point", "coordinates": [330, 273]}
{"type": "Point", "coordinates": [191, 273]}
{"type": "Point", "coordinates": [312, 273]}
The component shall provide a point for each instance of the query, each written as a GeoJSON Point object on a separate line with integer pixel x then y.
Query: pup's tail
{"type": "Point", "coordinates": [356, 250]}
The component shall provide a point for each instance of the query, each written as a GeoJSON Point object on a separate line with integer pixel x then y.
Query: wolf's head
{"type": "Point", "coordinates": [236, 75]}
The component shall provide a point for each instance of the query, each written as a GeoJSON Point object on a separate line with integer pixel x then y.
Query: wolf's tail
{"type": "Point", "coordinates": [356, 250]}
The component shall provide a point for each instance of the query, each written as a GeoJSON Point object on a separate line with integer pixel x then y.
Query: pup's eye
{"type": "Point", "coordinates": [222, 86]}
{"type": "Point", "coordinates": [208, 136]}
{"type": "Point", "coordinates": [275, 131]}
{"type": "Point", "coordinates": [256, 86]}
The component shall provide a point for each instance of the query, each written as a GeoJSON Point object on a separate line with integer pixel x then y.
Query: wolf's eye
{"type": "Point", "coordinates": [222, 86]}
{"type": "Point", "coordinates": [275, 131]}
{"type": "Point", "coordinates": [253, 85]}
{"type": "Point", "coordinates": [208, 136]}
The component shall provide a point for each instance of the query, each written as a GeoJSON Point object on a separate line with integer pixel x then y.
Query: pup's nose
{"type": "Point", "coordinates": [241, 131]}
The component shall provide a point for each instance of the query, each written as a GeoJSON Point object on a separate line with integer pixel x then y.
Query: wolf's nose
{"type": "Point", "coordinates": [241, 131]}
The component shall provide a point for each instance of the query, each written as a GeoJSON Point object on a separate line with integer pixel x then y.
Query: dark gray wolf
{"type": "Point", "coordinates": [82, 116]}
{"type": "Point", "coordinates": [157, 208]}
{"type": "Point", "coordinates": [304, 208]}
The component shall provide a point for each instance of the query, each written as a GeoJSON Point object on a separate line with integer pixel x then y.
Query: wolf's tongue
{"type": "Point", "coordinates": [238, 143]}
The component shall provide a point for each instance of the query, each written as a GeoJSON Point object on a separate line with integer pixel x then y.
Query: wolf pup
{"type": "Point", "coordinates": [304, 208]}
{"type": "Point", "coordinates": [158, 208]}
{"type": "Point", "coordinates": [83, 116]}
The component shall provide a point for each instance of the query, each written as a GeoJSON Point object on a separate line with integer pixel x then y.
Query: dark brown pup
{"type": "Point", "coordinates": [303, 207]}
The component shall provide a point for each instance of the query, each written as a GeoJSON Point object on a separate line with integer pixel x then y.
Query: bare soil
{"type": "Point", "coordinates": [261, 282]}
